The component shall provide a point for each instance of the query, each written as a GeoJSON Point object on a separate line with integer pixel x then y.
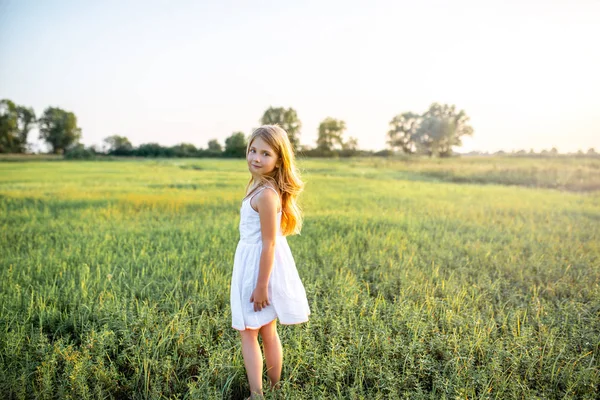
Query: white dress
{"type": "Point", "coordinates": [286, 293]}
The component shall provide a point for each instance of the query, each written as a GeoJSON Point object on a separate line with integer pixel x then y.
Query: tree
{"type": "Point", "coordinates": [403, 132]}
{"type": "Point", "coordinates": [25, 121]}
{"type": "Point", "coordinates": [434, 132]}
{"type": "Point", "coordinates": [59, 129]}
{"type": "Point", "coordinates": [591, 152]}
{"type": "Point", "coordinates": [441, 128]}
{"type": "Point", "coordinates": [184, 150]}
{"type": "Point", "coordinates": [79, 152]}
{"type": "Point", "coordinates": [235, 145]}
{"type": "Point", "coordinates": [152, 149]}
{"type": "Point", "coordinates": [287, 118]}
{"type": "Point", "coordinates": [214, 146]}
{"type": "Point", "coordinates": [118, 145]}
{"type": "Point", "coordinates": [330, 134]}
{"type": "Point", "coordinates": [351, 144]}
{"type": "Point", "coordinates": [8, 127]}
{"type": "Point", "coordinates": [15, 123]}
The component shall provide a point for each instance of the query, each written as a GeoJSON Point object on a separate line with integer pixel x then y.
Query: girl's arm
{"type": "Point", "coordinates": [267, 203]}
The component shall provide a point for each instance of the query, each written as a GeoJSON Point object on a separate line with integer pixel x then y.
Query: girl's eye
{"type": "Point", "coordinates": [265, 153]}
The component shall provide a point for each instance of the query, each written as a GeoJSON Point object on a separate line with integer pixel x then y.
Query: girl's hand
{"type": "Point", "coordinates": [260, 298]}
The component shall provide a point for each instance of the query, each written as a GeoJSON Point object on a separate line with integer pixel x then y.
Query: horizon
{"type": "Point", "coordinates": [190, 72]}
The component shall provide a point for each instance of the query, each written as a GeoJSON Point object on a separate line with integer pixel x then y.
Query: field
{"type": "Point", "coordinates": [427, 279]}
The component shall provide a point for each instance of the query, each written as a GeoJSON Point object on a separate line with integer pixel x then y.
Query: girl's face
{"type": "Point", "coordinates": [261, 158]}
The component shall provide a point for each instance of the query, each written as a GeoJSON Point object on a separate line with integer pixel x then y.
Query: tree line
{"type": "Point", "coordinates": [433, 133]}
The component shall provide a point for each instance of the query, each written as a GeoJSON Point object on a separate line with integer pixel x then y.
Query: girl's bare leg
{"type": "Point", "coordinates": [252, 360]}
{"type": "Point", "coordinates": [273, 352]}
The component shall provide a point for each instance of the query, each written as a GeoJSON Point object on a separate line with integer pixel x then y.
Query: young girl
{"type": "Point", "coordinates": [265, 285]}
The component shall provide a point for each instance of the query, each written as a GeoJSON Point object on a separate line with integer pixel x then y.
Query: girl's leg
{"type": "Point", "coordinates": [252, 359]}
{"type": "Point", "coordinates": [273, 351]}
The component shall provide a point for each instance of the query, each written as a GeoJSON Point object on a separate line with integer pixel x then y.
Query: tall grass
{"type": "Point", "coordinates": [114, 283]}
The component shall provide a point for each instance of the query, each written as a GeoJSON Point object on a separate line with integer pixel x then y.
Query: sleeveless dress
{"type": "Point", "coordinates": [286, 293]}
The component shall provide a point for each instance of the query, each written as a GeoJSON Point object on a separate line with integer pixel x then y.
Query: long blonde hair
{"type": "Point", "coordinates": [285, 179]}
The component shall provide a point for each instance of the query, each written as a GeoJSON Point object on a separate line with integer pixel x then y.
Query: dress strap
{"type": "Point", "coordinates": [260, 190]}
{"type": "Point", "coordinates": [269, 187]}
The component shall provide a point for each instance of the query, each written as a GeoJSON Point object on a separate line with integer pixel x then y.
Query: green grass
{"type": "Point", "coordinates": [114, 280]}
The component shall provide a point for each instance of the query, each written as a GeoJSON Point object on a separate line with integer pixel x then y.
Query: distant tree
{"type": "Point", "coordinates": [59, 129]}
{"type": "Point", "coordinates": [435, 132]}
{"type": "Point", "coordinates": [235, 145]}
{"type": "Point", "coordinates": [184, 150]}
{"type": "Point", "coordinates": [26, 120]}
{"type": "Point", "coordinates": [15, 123]}
{"type": "Point", "coordinates": [214, 146]}
{"type": "Point", "coordinates": [403, 132]}
{"type": "Point", "coordinates": [350, 144]}
{"type": "Point", "coordinates": [384, 153]}
{"type": "Point", "coordinates": [591, 152]}
{"type": "Point", "coordinates": [441, 128]}
{"type": "Point", "coordinates": [287, 118]}
{"type": "Point", "coordinates": [118, 145]}
{"type": "Point", "coordinates": [153, 150]}
{"type": "Point", "coordinates": [78, 151]}
{"type": "Point", "coordinates": [9, 138]}
{"type": "Point", "coordinates": [331, 133]}
{"type": "Point", "coordinates": [554, 151]}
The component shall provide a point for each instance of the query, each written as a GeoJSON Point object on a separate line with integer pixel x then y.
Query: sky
{"type": "Point", "coordinates": [525, 72]}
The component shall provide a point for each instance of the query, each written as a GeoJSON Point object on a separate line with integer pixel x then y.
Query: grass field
{"type": "Point", "coordinates": [435, 279]}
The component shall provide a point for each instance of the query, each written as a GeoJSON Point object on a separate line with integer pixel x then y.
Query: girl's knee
{"type": "Point", "coordinates": [269, 332]}
{"type": "Point", "coordinates": [249, 334]}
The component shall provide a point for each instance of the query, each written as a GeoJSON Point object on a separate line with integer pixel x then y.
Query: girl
{"type": "Point", "coordinates": [265, 285]}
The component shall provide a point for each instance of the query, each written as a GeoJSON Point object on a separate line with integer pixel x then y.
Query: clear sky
{"type": "Point", "coordinates": [526, 72]}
